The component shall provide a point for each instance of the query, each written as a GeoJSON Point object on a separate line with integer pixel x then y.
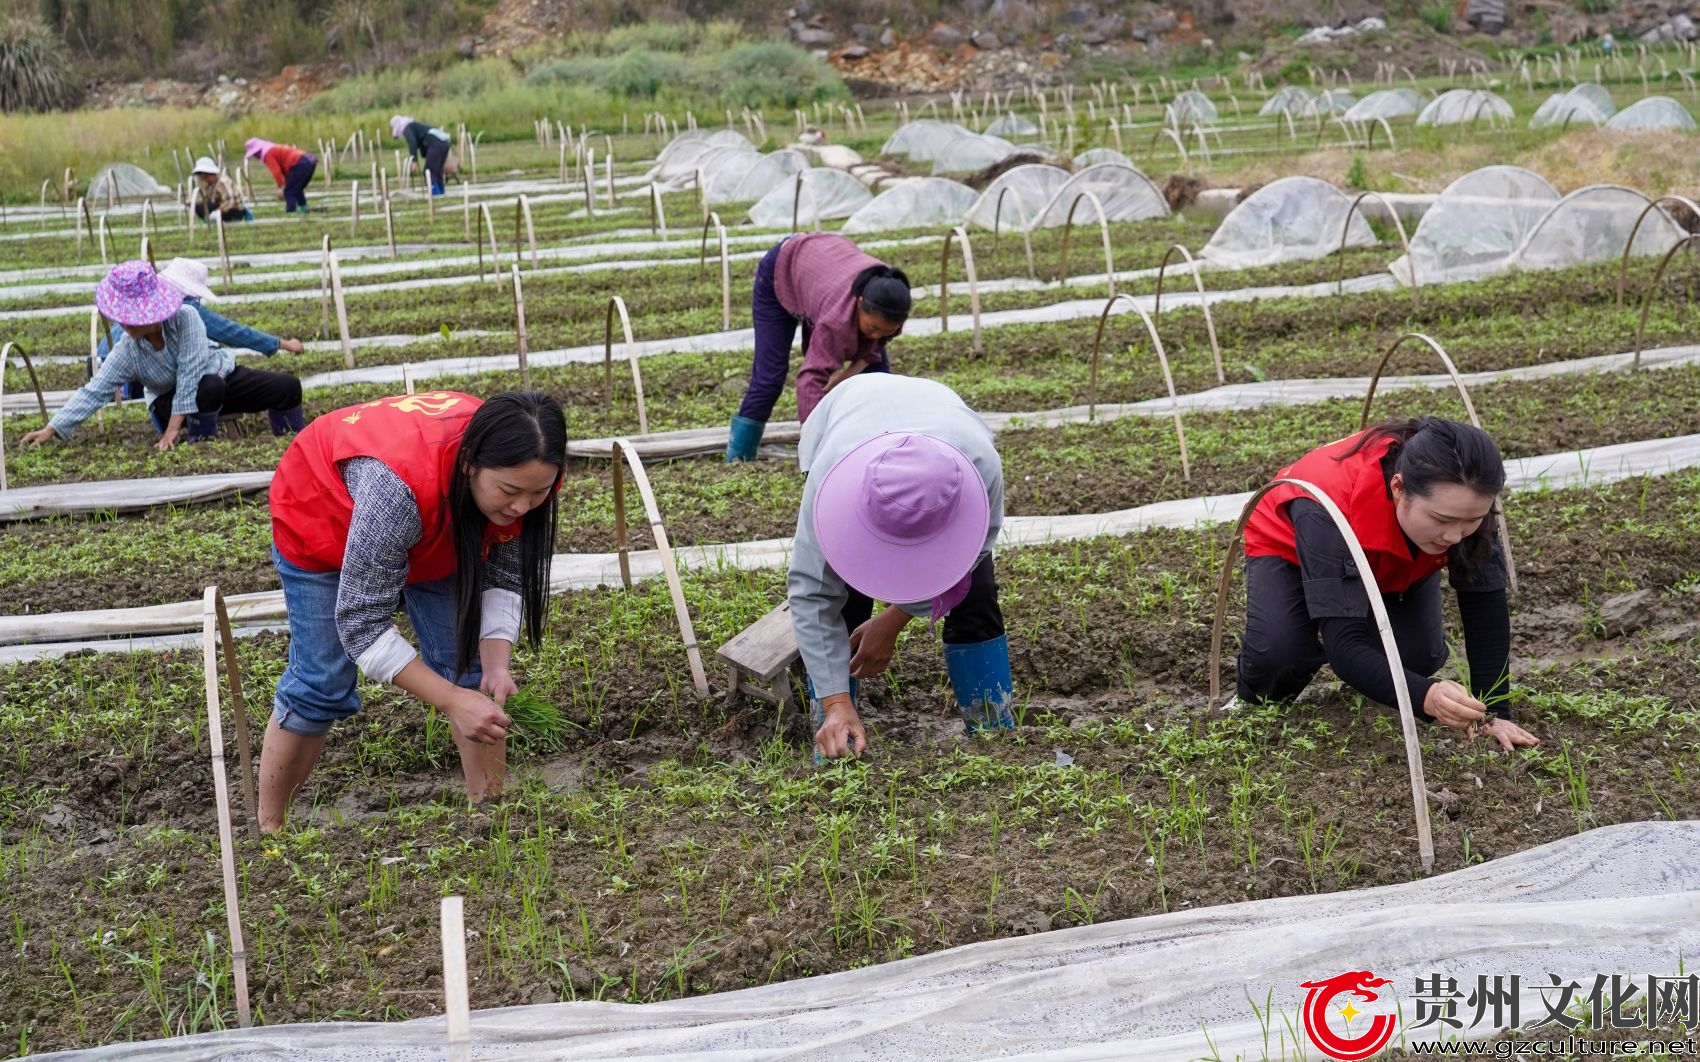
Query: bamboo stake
{"type": "Point", "coordinates": [519, 328]}
{"type": "Point", "coordinates": [619, 304]}
{"type": "Point", "coordinates": [669, 566]}
{"type": "Point", "coordinates": [725, 268]}
{"type": "Point", "coordinates": [960, 235]}
{"type": "Point", "coordinates": [223, 248]}
{"type": "Point", "coordinates": [456, 1011]}
{"type": "Point", "coordinates": [522, 211]}
{"type": "Point", "coordinates": [354, 210]}
{"type": "Point", "coordinates": [341, 312]}
{"type": "Point", "coordinates": [211, 606]}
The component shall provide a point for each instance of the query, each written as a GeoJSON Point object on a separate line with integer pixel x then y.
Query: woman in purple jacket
{"type": "Point", "coordinates": [850, 305]}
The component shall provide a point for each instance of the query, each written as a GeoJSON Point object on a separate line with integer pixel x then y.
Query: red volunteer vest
{"type": "Point", "coordinates": [417, 437]}
{"type": "Point", "coordinates": [1356, 486]}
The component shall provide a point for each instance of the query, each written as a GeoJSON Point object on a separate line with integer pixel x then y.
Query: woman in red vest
{"type": "Point", "coordinates": [437, 501]}
{"type": "Point", "coordinates": [290, 167]}
{"type": "Point", "coordinates": [1418, 495]}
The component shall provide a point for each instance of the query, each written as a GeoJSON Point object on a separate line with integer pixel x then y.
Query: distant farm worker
{"type": "Point", "coordinates": [1418, 495]}
{"type": "Point", "coordinates": [443, 503]}
{"type": "Point", "coordinates": [186, 380]}
{"type": "Point", "coordinates": [903, 502]}
{"type": "Point", "coordinates": [190, 277]}
{"type": "Point", "coordinates": [424, 142]}
{"type": "Point", "coordinates": [850, 305]}
{"type": "Point", "coordinates": [290, 167]}
{"type": "Point", "coordinates": [214, 191]}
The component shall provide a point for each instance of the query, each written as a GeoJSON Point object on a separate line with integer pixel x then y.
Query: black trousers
{"type": "Point", "coordinates": [975, 619]}
{"type": "Point", "coordinates": [1282, 648]}
{"type": "Point", "coordinates": [245, 390]}
{"type": "Point", "coordinates": [436, 154]}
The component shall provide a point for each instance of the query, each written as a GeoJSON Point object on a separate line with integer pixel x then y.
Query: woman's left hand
{"type": "Point", "coordinates": [1509, 735]}
{"type": "Point", "coordinates": [498, 686]}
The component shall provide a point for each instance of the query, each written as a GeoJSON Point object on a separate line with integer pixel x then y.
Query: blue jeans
{"type": "Point", "coordinates": [319, 685]}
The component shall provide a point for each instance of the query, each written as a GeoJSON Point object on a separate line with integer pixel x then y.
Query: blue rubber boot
{"type": "Point", "coordinates": [200, 427]}
{"type": "Point", "coordinates": [436, 189]}
{"type": "Point", "coordinates": [979, 674]}
{"type": "Point", "coordinates": [746, 436]}
{"type": "Point", "coordinates": [817, 712]}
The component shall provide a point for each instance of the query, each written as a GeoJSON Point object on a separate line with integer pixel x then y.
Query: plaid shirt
{"type": "Point", "coordinates": [175, 370]}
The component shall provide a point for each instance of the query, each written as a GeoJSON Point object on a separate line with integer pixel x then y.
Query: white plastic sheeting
{"type": "Point", "coordinates": [973, 152]}
{"type": "Point", "coordinates": [1592, 225]}
{"type": "Point", "coordinates": [928, 202]}
{"type": "Point", "coordinates": [1174, 987]}
{"type": "Point", "coordinates": [1334, 101]}
{"type": "Point", "coordinates": [1098, 156]}
{"type": "Point", "coordinates": [1655, 113]}
{"type": "Point", "coordinates": [679, 159]}
{"type": "Point", "coordinates": [924, 139]}
{"type": "Point", "coordinates": [1008, 125]}
{"type": "Point", "coordinates": [825, 194]}
{"type": "Point", "coordinates": [1189, 108]}
{"type": "Point", "coordinates": [1586, 104]}
{"type": "Point", "coordinates": [1028, 187]}
{"type": "Point", "coordinates": [1476, 225]}
{"type": "Point", "coordinates": [1384, 104]}
{"type": "Point", "coordinates": [727, 163]}
{"type": "Point", "coordinates": [756, 178]}
{"type": "Point", "coordinates": [1292, 219]}
{"type": "Point", "coordinates": [1125, 193]}
{"type": "Point", "coordinates": [1287, 99]}
{"type": "Point", "coordinates": [126, 182]}
{"type": "Point", "coordinates": [1457, 106]}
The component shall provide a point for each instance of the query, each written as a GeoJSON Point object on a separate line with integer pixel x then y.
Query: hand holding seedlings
{"type": "Point", "coordinates": [476, 717]}
{"type": "Point", "coordinates": [168, 438]}
{"type": "Point", "coordinates": [1450, 703]}
{"type": "Point", "coordinates": [292, 346]}
{"type": "Point", "coordinates": [39, 436]}
{"type": "Point", "coordinates": [498, 686]}
{"type": "Point", "coordinates": [842, 733]}
{"type": "Point", "coordinates": [1509, 735]}
{"type": "Point", "coordinates": [873, 643]}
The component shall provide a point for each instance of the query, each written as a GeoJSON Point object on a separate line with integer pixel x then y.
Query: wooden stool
{"type": "Point", "coordinates": [764, 652]}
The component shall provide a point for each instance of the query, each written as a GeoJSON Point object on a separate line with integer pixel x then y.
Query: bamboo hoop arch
{"type": "Point", "coordinates": [354, 209]}
{"type": "Point", "coordinates": [102, 232]}
{"type": "Point", "coordinates": [29, 367]}
{"type": "Point", "coordinates": [148, 214]}
{"type": "Point", "coordinates": [1469, 408]}
{"type": "Point", "coordinates": [215, 627]}
{"type": "Point", "coordinates": [797, 200]}
{"type": "Point", "coordinates": [1402, 692]}
{"type": "Point", "coordinates": [1629, 244]}
{"type": "Point", "coordinates": [1204, 304]}
{"type": "Point", "coordinates": [488, 226]}
{"type": "Point", "coordinates": [1404, 241]}
{"type": "Point", "coordinates": [669, 566]}
{"type": "Point", "coordinates": [1162, 360]}
{"type": "Point", "coordinates": [1392, 145]}
{"type": "Point", "coordinates": [522, 213]}
{"type": "Point", "coordinates": [341, 310]}
{"type": "Point", "coordinates": [223, 248]}
{"type": "Point", "coordinates": [1026, 236]}
{"type": "Point", "coordinates": [701, 193]}
{"type": "Point", "coordinates": [1651, 291]}
{"type": "Point", "coordinates": [725, 267]}
{"type": "Point", "coordinates": [657, 213]}
{"type": "Point", "coordinates": [617, 303]}
{"type": "Point", "coordinates": [1176, 139]}
{"type": "Point", "coordinates": [519, 329]}
{"type": "Point", "coordinates": [465, 211]}
{"type": "Point", "coordinates": [1104, 230]}
{"type": "Point", "coordinates": [146, 253]}
{"type": "Point", "coordinates": [325, 287]}
{"type": "Point", "coordinates": [959, 234]}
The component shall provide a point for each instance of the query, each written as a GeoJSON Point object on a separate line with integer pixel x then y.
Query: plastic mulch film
{"type": "Point", "coordinates": [926, 202]}
{"type": "Point", "coordinates": [1651, 114]}
{"type": "Point", "coordinates": [1289, 220]}
{"type": "Point", "coordinates": [1029, 187]}
{"type": "Point", "coordinates": [1384, 104]}
{"type": "Point", "coordinates": [1008, 125]}
{"type": "Point", "coordinates": [826, 194]}
{"type": "Point", "coordinates": [1457, 106]}
{"type": "Point", "coordinates": [1586, 104]}
{"type": "Point", "coordinates": [1617, 900]}
{"type": "Point", "coordinates": [126, 182]}
{"type": "Point", "coordinates": [1191, 107]}
{"type": "Point", "coordinates": [1100, 156]}
{"type": "Point", "coordinates": [1476, 225]}
{"type": "Point", "coordinates": [973, 152]}
{"type": "Point", "coordinates": [1287, 99]}
{"type": "Point", "coordinates": [1126, 195]}
{"type": "Point", "coordinates": [752, 178]}
{"type": "Point", "coordinates": [1592, 225]}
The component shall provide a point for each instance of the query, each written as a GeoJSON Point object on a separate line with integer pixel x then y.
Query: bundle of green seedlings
{"type": "Point", "coordinates": [537, 720]}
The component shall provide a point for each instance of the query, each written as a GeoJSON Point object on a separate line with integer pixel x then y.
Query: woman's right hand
{"type": "Point", "coordinates": [476, 717]}
{"type": "Point", "coordinates": [39, 436]}
{"type": "Point", "coordinates": [1450, 703]}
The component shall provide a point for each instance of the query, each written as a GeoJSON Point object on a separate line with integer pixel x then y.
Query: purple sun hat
{"type": "Point", "coordinates": [132, 294]}
{"type": "Point", "coordinates": [902, 517]}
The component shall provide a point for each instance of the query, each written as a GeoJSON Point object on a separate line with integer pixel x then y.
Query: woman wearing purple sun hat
{"type": "Point", "coordinates": [903, 503]}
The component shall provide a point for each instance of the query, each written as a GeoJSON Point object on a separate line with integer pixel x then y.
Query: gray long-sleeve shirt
{"type": "Point", "coordinates": [857, 410]}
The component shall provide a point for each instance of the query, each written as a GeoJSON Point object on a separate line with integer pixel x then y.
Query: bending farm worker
{"type": "Point", "coordinates": [290, 167]}
{"type": "Point", "coordinates": [215, 191]}
{"type": "Point", "coordinates": [850, 305]}
{"type": "Point", "coordinates": [190, 277]}
{"type": "Point", "coordinates": [903, 502]}
{"type": "Point", "coordinates": [187, 381]}
{"type": "Point", "coordinates": [443, 503]}
{"type": "Point", "coordinates": [1418, 494]}
{"type": "Point", "coordinates": [424, 142]}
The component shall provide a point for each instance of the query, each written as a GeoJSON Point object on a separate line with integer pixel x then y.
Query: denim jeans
{"type": "Point", "coordinates": [319, 685]}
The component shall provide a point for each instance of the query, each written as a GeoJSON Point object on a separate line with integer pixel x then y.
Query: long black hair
{"type": "Point", "coordinates": [884, 291]}
{"type": "Point", "coordinates": [510, 429]}
{"type": "Point", "coordinates": [1431, 452]}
